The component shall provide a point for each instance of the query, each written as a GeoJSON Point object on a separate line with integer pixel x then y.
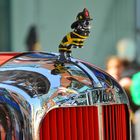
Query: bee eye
{"type": "Point", "coordinates": [86, 23]}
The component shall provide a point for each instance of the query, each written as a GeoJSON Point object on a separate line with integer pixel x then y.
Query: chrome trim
{"type": "Point", "coordinates": [79, 85]}
{"type": "Point", "coordinates": [100, 122]}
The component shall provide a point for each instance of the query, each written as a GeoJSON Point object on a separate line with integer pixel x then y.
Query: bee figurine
{"type": "Point", "coordinates": [74, 39]}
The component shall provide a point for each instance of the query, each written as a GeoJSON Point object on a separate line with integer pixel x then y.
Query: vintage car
{"type": "Point", "coordinates": [81, 103]}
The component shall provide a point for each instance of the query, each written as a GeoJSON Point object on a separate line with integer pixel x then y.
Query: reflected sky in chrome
{"type": "Point", "coordinates": [28, 90]}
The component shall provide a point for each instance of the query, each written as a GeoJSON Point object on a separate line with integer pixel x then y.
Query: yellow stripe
{"type": "Point", "coordinates": [73, 43]}
{"type": "Point", "coordinates": [78, 44]}
{"type": "Point", "coordinates": [67, 42]}
{"type": "Point", "coordinates": [64, 49]}
{"type": "Point", "coordinates": [84, 37]}
{"type": "Point", "coordinates": [69, 38]}
{"type": "Point", "coordinates": [77, 39]}
{"type": "Point", "coordinates": [64, 44]}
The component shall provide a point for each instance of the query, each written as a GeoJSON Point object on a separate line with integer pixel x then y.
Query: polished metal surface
{"type": "Point", "coordinates": [29, 90]}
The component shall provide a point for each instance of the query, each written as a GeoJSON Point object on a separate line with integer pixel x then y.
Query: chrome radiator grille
{"type": "Point", "coordinates": [81, 123]}
{"type": "Point", "coordinates": [74, 123]}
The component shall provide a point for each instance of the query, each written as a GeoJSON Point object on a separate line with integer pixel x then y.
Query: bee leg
{"type": "Point", "coordinates": [62, 57]}
{"type": "Point", "coordinates": [68, 56]}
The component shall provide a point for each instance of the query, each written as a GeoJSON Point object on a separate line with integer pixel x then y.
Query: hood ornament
{"type": "Point", "coordinates": [74, 39]}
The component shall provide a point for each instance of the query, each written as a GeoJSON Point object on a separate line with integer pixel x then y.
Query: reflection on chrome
{"type": "Point", "coordinates": [32, 82]}
{"type": "Point", "coordinates": [28, 90]}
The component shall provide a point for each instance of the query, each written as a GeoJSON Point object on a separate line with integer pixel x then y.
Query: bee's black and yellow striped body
{"type": "Point", "coordinates": [72, 39]}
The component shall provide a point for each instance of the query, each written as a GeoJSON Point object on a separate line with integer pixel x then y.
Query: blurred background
{"type": "Point", "coordinates": [113, 20]}
{"type": "Point", "coordinates": [27, 25]}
